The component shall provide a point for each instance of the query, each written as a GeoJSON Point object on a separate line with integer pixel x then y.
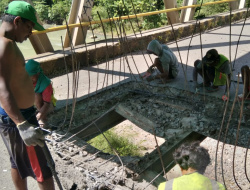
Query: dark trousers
{"type": "Point", "coordinates": [206, 72]}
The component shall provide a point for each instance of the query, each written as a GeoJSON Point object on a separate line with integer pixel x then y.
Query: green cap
{"type": "Point", "coordinates": [24, 10]}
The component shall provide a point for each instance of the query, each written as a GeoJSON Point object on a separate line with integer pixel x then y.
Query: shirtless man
{"type": "Point", "coordinates": [18, 124]}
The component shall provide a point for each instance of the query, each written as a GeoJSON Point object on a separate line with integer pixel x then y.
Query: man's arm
{"type": "Point", "coordinates": [43, 102]}
{"type": "Point", "coordinates": [43, 112]}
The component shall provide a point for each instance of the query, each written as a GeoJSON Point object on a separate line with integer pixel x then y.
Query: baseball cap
{"type": "Point", "coordinates": [24, 10]}
{"type": "Point", "coordinates": [211, 56]}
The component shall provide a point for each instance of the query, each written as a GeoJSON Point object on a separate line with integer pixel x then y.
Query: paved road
{"type": "Point", "coordinates": [218, 39]}
{"type": "Point", "coordinates": [5, 175]}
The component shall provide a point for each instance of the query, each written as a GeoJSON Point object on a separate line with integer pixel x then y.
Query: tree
{"type": "Point", "coordinates": [3, 4]}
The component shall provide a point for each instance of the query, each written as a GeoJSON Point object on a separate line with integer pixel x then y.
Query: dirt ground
{"type": "Point", "coordinates": [138, 136]}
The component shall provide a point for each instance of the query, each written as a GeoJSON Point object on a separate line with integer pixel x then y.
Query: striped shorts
{"type": "Point", "coordinates": [28, 160]}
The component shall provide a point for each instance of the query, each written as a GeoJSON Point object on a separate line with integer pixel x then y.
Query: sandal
{"type": "Point", "coordinates": [212, 88]}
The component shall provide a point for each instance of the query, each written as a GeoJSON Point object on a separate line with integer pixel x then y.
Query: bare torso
{"type": "Point", "coordinates": [19, 81]}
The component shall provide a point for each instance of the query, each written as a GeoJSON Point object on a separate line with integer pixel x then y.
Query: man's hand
{"type": "Point", "coordinates": [30, 135]}
{"type": "Point", "coordinates": [38, 116]}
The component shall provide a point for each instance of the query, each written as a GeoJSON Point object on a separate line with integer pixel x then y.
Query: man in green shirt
{"type": "Point", "coordinates": [193, 160]}
{"type": "Point", "coordinates": [214, 68]}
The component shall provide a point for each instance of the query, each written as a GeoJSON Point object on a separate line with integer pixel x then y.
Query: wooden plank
{"type": "Point", "coordinates": [136, 118]}
{"type": "Point", "coordinates": [106, 122]}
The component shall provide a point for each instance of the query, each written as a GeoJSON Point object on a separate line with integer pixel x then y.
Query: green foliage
{"type": "Point", "coordinates": [56, 13]}
{"type": "Point", "coordinates": [154, 21]}
{"type": "Point", "coordinates": [42, 10]}
{"type": "Point", "coordinates": [118, 8]}
{"type": "Point", "coordinates": [121, 144]}
{"type": "Point", "coordinates": [179, 3]}
{"type": "Point", "coordinates": [211, 9]}
{"type": "Point", "coordinates": [59, 11]}
{"type": "Point", "coordinates": [3, 4]}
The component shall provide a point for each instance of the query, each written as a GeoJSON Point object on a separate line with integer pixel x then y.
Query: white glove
{"type": "Point", "coordinates": [30, 134]}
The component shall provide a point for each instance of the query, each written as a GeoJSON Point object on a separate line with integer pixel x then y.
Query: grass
{"type": "Point", "coordinates": [120, 144]}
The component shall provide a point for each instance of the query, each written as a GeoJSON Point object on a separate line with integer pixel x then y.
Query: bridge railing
{"type": "Point", "coordinates": [63, 27]}
{"type": "Point", "coordinates": [41, 43]}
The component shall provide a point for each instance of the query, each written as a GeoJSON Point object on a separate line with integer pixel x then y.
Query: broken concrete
{"type": "Point", "coordinates": [176, 115]}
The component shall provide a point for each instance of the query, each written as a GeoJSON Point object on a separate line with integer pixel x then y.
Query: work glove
{"type": "Point", "coordinates": [30, 134]}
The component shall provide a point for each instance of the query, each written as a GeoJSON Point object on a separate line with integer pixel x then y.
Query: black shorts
{"type": "Point", "coordinates": [28, 160]}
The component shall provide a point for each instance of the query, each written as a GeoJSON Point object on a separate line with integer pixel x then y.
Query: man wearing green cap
{"type": "Point", "coordinates": [18, 123]}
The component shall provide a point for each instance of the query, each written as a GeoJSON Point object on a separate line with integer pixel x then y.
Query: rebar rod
{"type": "Point", "coordinates": [107, 53]}
{"type": "Point", "coordinates": [95, 48]}
{"type": "Point", "coordinates": [226, 132]}
{"type": "Point", "coordinates": [238, 130]}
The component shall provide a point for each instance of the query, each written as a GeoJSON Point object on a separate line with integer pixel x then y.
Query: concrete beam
{"type": "Point", "coordinates": [172, 17]}
{"type": "Point", "coordinates": [187, 14]}
{"type": "Point", "coordinates": [80, 9]}
{"type": "Point", "coordinates": [106, 122]}
{"type": "Point", "coordinates": [242, 4]}
{"type": "Point", "coordinates": [139, 120]}
{"type": "Point", "coordinates": [237, 4]}
{"type": "Point", "coordinates": [41, 42]}
{"type": "Point", "coordinates": [155, 165]}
